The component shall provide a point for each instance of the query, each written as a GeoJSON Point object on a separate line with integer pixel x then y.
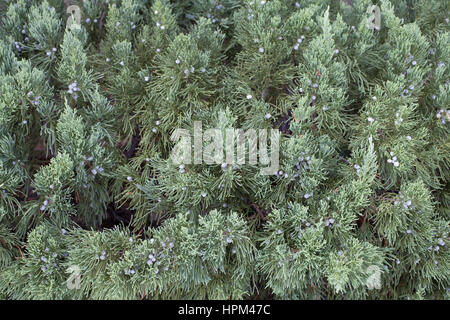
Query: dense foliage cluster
{"type": "Point", "coordinates": [359, 208]}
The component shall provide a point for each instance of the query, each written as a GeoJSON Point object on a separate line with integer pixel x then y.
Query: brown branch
{"type": "Point", "coordinates": [430, 74]}
{"type": "Point", "coordinates": [100, 23]}
{"type": "Point", "coordinates": [21, 253]}
{"type": "Point", "coordinates": [343, 159]}
{"type": "Point", "coordinates": [348, 2]}
{"type": "Point", "coordinates": [261, 214]}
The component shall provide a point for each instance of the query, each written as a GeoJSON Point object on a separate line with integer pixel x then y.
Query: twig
{"type": "Point", "coordinates": [255, 206]}
{"type": "Point", "coordinates": [21, 253]}
{"type": "Point", "coordinates": [343, 159]}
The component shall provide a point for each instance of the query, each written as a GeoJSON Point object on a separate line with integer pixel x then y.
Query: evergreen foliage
{"type": "Point", "coordinates": [87, 117]}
